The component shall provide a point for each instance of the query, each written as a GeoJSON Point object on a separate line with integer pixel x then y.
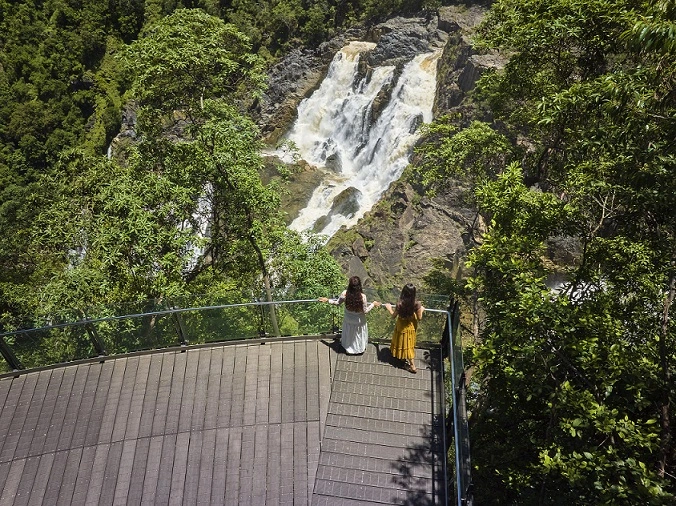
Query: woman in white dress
{"type": "Point", "coordinates": [355, 333]}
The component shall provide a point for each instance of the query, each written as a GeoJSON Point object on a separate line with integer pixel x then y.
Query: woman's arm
{"type": "Point", "coordinates": [367, 306]}
{"type": "Point", "coordinates": [419, 312]}
{"type": "Point", "coordinates": [393, 312]}
{"type": "Point", "coordinates": [335, 302]}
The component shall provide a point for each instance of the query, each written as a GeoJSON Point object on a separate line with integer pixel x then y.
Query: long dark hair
{"type": "Point", "coordinates": [353, 296]}
{"type": "Point", "coordinates": [407, 304]}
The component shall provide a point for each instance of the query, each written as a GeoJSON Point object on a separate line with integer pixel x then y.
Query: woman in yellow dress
{"type": "Point", "coordinates": [408, 313]}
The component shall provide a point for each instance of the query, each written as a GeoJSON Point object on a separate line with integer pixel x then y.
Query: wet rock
{"type": "Point", "coordinates": [346, 202]}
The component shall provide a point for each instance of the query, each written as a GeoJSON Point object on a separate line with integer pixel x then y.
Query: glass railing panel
{"type": "Point", "coordinates": [4, 366]}
{"type": "Point", "coordinates": [302, 318]}
{"type": "Point", "coordinates": [43, 347]}
{"type": "Point", "coordinates": [149, 325]}
{"type": "Point", "coordinates": [431, 327]}
{"type": "Point", "coordinates": [138, 333]}
{"type": "Point", "coordinates": [221, 323]}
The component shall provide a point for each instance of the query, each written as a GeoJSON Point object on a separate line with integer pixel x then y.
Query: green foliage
{"type": "Point", "coordinates": [189, 57]}
{"type": "Point", "coordinates": [573, 386]}
{"type": "Point", "coordinates": [474, 153]}
{"type": "Point", "coordinates": [184, 210]}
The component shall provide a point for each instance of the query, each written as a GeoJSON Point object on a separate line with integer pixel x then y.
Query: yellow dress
{"type": "Point", "coordinates": [403, 339]}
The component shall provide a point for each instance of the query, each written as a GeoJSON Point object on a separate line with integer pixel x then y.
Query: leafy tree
{"type": "Point", "coordinates": [475, 153]}
{"type": "Point", "coordinates": [573, 386]}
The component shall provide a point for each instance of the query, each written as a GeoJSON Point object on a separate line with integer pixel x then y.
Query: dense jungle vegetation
{"type": "Point", "coordinates": [571, 390]}
{"type": "Point", "coordinates": [79, 229]}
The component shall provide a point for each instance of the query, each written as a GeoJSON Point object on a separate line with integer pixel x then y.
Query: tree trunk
{"type": "Point", "coordinates": [266, 283]}
{"type": "Point", "coordinates": [273, 314]}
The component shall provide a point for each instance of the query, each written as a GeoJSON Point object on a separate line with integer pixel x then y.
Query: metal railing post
{"type": "Point", "coordinates": [180, 328]}
{"type": "Point", "coordinates": [94, 338]}
{"type": "Point", "coordinates": [9, 356]}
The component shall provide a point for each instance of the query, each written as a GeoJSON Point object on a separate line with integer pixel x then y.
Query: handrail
{"type": "Point", "coordinates": [462, 457]}
{"type": "Point", "coordinates": [149, 313]}
{"type": "Point", "coordinates": [443, 397]}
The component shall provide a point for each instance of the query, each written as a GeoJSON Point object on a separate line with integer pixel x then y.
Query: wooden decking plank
{"type": "Point", "coordinates": [12, 481]}
{"type": "Point", "coordinates": [5, 390]}
{"type": "Point", "coordinates": [56, 477]}
{"type": "Point", "coordinates": [300, 464]}
{"type": "Point", "coordinates": [49, 406]}
{"type": "Point", "coordinates": [286, 494]}
{"type": "Point", "coordinates": [119, 430]}
{"type": "Point", "coordinates": [324, 381]}
{"type": "Point", "coordinates": [41, 478]}
{"type": "Point", "coordinates": [67, 485]}
{"type": "Point", "coordinates": [9, 405]}
{"type": "Point", "coordinates": [193, 469]}
{"type": "Point", "coordinates": [172, 365]}
{"type": "Point", "coordinates": [15, 423]}
{"type": "Point", "coordinates": [220, 466]}
{"type": "Point", "coordinates": [135, 493]}
{"type": "Point", "coordinates": [99, 404]}
{"type": "Point", "coordinates": [111, 473]}
{"type": "Point", "coordinates": [246, 464]}
{"type": "Point", "coordinates": [150, 397]}
{"type": "Point", "coordinates": [112, 404]}
{"type": "Point", "coordinates": [250, 386]}
{"type": "Point", "coordinates": [4, 472]}
{"type": "Point", "coordinates": [237, 380]}
{"type": "Point", "coordinates": [59, 415]}
{"type": "Point", "coordinates": [189, 386]}
{"type": "Point", "coordinates": [274, 464]}
{"type": "Point", "coordinates": [225, 391]}
{"type": "Point", "coordinates": [200, 405]}
{"type": "Point", "coordinates": [312, 373]}
{"type": "Point", "coordinates": [98, 473]}
{"type": "Point", "coordinates": [23, 490]}
{"type": "Point", "coordinates": [300, 382]}
{"type": "Point", "coordinates": [166, 469]}
{"type": "Point", "coordinates": [138, 395]}
{"type": "Point", "coordinates": [27, 430]}
{"type": "Point", "coordinates": [206, 467]}
{"type": "Point", "coordinates": [178, 474]}
{"type": "Point", "coordinates": [152, 470]}
{"type": "Point", "coordinates": [288, 362]}
{"type": "Point", "coordinates": [260, 464]}
{"type": "Point", "coordinates": [276, 395]}
{"type": "Point", "coordinates": [173, 413]}
{"type": "Point", "coordinates": [313, 450]}
{"type": "Point", "coordinates": [232, 476]}
{"type": "Point", "coordinates": [263, 385]}
{"type": "Point", "coordinates": [125, 472]}
{"type": "Point", "coordinates": [213, 388]}
{"type": "Point", "coordinates": [79, 401]}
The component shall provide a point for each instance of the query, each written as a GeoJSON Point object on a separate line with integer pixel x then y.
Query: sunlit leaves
{"type": "Point", "coordinates": [475, 153]}
{"type": "Point", "coordinates": [190, 56]}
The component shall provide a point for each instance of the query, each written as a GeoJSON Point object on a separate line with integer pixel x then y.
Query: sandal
{"type": "Point", "coordinates": [411, 368]}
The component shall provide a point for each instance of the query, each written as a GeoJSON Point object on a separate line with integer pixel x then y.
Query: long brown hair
{"type": "Point", "coordinates": [407, 304]}
{"type": "Point", "coordinates": [353, 296]}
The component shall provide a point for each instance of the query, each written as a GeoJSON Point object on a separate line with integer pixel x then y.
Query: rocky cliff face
{"type": "Point", "coordinates": [403, 236]}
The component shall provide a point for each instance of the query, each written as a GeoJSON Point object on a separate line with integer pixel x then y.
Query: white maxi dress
{"type": "Point", "coordinates": [355, 333]}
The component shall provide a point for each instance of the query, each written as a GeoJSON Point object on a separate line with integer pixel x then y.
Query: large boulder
{"type": "Point", "coordinates": [405, 235]}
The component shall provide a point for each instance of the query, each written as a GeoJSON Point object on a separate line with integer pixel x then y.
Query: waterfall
{"type": "Point", "coordinates": [361, 158]}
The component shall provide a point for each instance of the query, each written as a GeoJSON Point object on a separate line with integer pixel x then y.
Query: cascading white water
{"type": "Point", "coordinates": [333, 130]}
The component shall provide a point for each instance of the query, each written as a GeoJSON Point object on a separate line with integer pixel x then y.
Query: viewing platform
{"type": "Point", "coordinates": [270, 421]}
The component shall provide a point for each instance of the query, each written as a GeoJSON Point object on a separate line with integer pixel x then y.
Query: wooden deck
{"type": "Point", "coordinates": [285, 422]}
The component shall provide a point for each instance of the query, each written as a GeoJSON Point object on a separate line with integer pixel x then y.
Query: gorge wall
{"type": "Point", "coordinates": [402, 237]}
